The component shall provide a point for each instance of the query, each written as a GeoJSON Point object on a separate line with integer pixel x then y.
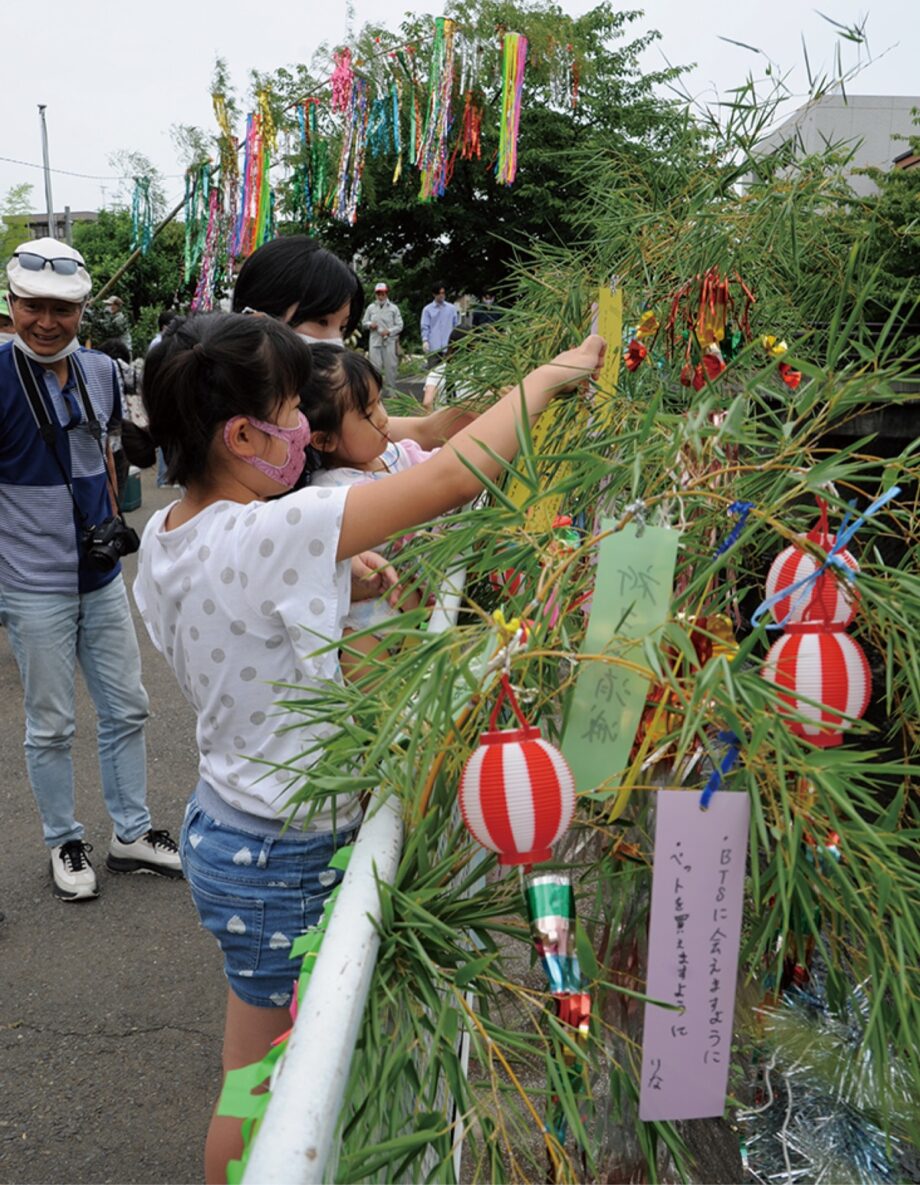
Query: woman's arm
{"type": "Point", "coordinates": [376, 510]}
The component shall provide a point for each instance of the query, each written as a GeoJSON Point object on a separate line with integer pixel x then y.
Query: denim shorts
{"type": "Point", "coordinates": [257, 894]}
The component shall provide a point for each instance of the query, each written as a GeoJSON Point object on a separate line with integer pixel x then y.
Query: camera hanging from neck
{"type": "Point", "coordinates": [114, 532]}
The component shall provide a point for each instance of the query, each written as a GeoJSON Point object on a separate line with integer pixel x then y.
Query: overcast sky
{"type": "Point", "coordinates": [118, 76]}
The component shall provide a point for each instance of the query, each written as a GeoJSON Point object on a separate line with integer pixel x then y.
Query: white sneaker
{"type": "Point", "coordinates": [155, 852]}
{"type": "Point", "coordinates": [74, 879]}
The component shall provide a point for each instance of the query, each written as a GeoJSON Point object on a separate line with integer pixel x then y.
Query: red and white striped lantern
{"type": "Point", "coordinates": [827, 666]}
{"type": "Point", "coordinates": [830, 600]}
{"type": "Point", "coordinates": [517, 793]}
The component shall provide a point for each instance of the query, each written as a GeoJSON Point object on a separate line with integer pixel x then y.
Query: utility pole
{"type": "Point", "coordinates": [49, 201]}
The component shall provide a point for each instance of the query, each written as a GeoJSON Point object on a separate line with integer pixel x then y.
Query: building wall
{"type": "Point", "coordinates": [872, 126]}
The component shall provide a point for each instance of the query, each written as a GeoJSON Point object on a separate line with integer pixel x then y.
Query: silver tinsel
{"type": "Point", "coordinates": [820, 1121]}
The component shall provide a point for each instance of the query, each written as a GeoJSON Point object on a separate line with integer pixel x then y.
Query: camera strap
{"type": "Point", "coordinates": [40, 413]}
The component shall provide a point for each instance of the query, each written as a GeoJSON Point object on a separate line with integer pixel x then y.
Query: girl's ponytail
{"type": "Point", "coordinates": [209, 368]}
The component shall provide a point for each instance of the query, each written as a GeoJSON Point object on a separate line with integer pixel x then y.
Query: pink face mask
{"type": "Point", "coordinates": [297, 440]}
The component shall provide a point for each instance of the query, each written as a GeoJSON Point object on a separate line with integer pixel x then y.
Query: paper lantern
{"type": "Point", "coordinates": [831, 599]}
{"type": "Point", "coordinates": [517, 793]}
{"type": "Point", "coordinates": [827, 666]}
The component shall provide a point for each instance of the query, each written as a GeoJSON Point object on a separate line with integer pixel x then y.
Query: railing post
{"type": "Point", "coordinates": [295, 1138]}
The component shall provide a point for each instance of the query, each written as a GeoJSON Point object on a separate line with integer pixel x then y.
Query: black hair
{"type": "Point", "coordinates": [437, 286]}
{"type": "Point", "coordinates": [115, 348]}
{"type": "Point", "coordinates": [166, 318]}
{"type": "Point", "coordinates": [341, 380]}
{"type": "Point", "coordinates": [296, 270]}
{"type": "Point", "coordinates": [209, 368]}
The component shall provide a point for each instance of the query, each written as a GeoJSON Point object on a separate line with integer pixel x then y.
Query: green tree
{"type": "Point", "coordinates": [14, 207]}
{"type": "Point", "coordinates": [470, 236]}
{"type": "Point", "coordinates": [153, 282]}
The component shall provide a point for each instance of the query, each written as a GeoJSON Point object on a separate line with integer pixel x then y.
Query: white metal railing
{"type": "Point", "coordinates": [295, 1140]}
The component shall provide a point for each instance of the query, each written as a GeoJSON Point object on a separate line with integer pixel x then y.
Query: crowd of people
{"type": "Point", "coordinates": [289, 473]}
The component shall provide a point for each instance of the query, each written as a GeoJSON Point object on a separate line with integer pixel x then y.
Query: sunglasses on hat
{"type": "Point", "coordinates": [33, 262]}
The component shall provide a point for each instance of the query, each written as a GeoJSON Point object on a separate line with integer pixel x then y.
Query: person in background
{"type": "Point", "coordinates": [438, 388]}
{"type": "Point", "coordinates": [439, 318]}
{"type": "Point", "coordinates": [164, 320]}
{"type": "Point", "coordinates": [109, 321]}
{"type": "Point", "coordinates": [61, 587]}
{"type": "Point", "coordinates": [486, 313]}
{"type": "Point", "coordinates": [7, 331]}
{"type": "Point", "coordinates": [384, 321]}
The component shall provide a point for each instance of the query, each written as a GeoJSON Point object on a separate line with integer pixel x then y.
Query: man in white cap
{"type": "Point", "coordinates": [61, 539]}
{"type": "Point", "coordinates": [385, 323]}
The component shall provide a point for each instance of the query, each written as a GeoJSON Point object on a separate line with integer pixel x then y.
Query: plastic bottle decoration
{"type": "Point", "coordinates": [815, 658]}
{"type": "Point", "coordinates": [517, 793]}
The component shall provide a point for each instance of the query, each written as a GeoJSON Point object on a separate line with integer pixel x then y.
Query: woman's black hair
{"type": "Point", "coordinates": [340, 380]}
{"type": "Point", "coordinates": [296, 270]}
{"type": "Point", "coordinates": [115, 348]}
{"type": "Point", "coordinates": [209, 368]}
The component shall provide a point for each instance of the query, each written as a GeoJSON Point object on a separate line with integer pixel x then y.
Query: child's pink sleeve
{"type": "Point", "coordinates": [414, 453]}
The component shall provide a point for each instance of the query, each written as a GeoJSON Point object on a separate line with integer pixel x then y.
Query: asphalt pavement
{"type": "Point", "coordinates": [111, 1011]}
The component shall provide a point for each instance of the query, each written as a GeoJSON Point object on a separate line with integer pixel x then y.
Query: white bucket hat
{"type": "Point", "coordinates": [48, 269]}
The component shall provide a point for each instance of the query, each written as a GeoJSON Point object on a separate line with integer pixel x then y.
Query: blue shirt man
{"type": "Point", "coordinates": [64, 604]}
{"type": "Point", "coordinates": [438, 320]}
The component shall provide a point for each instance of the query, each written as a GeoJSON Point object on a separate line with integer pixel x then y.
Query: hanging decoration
{"type": "Point", "coordinates": [229, 192]}
{"type": "Point", "coordinates": [822, 598]}
{"type": "Point", "coordinates": [308, 184]}
{"type": "Point", "coordinates": [255, 223]}
{"type": "Point", "coordinates": [517, 794]}
{"type": "Point", "coordinates": [343, 78]}
{"type": "Point", "coordinates": [204, 299]}
{"type": "Point", "coordinates": [471, 128]}
{"type": "Point", "coordinates": [708, 322]}
{"type": "Point", "coordinates": [142, 217]}
{"type": "Point", "coordinates": [514, 58]}
{"type": "Point", "coordinates": [197, 205]}
{"type": "Point", "coordinates": [815, 659]}
{"type": "Point", "coordinates": [395, 103]}
{"type": "Point", "coordinates": [351, 161]}
{"type": "Point", "coordinates": [550, 903]}
{"type": "Point", "coordinates": [564, 74]}
{"type": "Point", "coordinates": [432, 159]}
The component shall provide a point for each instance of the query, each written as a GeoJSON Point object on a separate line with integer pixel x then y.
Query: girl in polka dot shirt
{"type": "Point", "coordinates": [239, 590]}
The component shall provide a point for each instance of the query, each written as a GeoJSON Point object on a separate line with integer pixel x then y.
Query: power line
{"type": "Point", "coordinates": [86, 176]}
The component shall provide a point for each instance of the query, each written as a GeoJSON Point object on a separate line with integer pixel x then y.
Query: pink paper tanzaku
{"type": "Point", "coordinates": [694, 938]}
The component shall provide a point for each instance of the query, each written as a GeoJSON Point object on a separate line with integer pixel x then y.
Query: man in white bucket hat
{"type": "Point", "coordinates": [61, 541]}
{"type": "Point", "coordinates": [384, 321]}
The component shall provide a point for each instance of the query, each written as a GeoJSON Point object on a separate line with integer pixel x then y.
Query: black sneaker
{"type": "Point", "coordinates": [74, 879]}
{"type": "Point", "coordinates": [155, 852]}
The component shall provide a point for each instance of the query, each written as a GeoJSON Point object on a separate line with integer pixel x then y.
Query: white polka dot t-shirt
{"type": "Point", "coordinates": [236, 599]}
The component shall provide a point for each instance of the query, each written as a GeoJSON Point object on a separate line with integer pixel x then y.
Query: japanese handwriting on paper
{"type": "Point", "coordinates": [694, 938]}
{"type": "Point", "coordinates": [713, 1052]}
{"type": "Point", "coordinates": [639, 581]}
{"type": "Point", "coordinates": [600, 727]}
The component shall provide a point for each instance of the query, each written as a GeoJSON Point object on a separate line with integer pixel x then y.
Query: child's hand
{"type": "Point", "coordinates": [584, 362]}
{"type": "Point", "coordinates": [371, 576]}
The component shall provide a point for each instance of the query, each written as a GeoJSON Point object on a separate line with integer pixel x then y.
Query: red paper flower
{"type": "Point", "coordinates": [635, 355]}
{"type": "Point", "coordinates": [790, 377]}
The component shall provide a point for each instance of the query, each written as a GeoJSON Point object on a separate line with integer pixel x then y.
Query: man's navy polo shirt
{"type": "Point", "coordinates": [40, 528]}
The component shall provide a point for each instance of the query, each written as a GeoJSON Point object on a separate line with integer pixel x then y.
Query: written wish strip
{"type": "Point", "coordinates": [632, 596]}
{"type": "Point", "coordinates": [695, 933]}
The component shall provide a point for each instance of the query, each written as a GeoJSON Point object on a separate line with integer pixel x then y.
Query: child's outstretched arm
{"type": "Point", "coordinates": [375, 510]}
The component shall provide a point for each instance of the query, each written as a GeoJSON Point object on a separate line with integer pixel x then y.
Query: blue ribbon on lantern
{"type": "Point", "coordinates": [725, 766]}
{"type": "Point", "coordinates": [742, 509]}
{"type": "Point", "coordinates": [844, 535]}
